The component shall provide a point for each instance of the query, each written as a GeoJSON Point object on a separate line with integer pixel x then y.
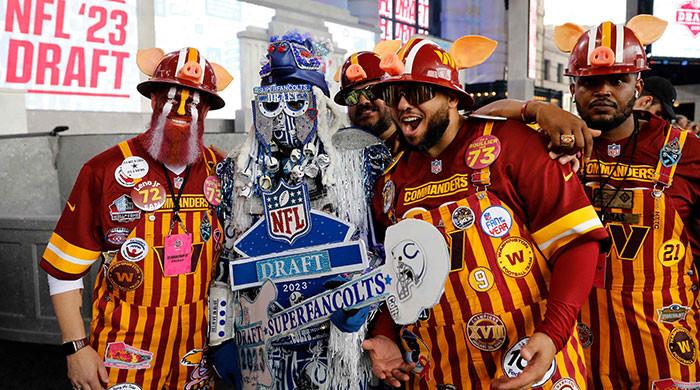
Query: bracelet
{"type": "Point", "coordinates": [71, 347]}
{"type": "Point", "coordinates": [523, 108]}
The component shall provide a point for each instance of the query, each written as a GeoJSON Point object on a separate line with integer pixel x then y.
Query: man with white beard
{"type": "Point", "coordinates": [145, 209]}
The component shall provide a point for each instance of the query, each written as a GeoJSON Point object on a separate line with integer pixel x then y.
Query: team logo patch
{"type": "Point", "coordinates": [565, 384]}
{"type": "Point", "coordinates": [205, 227]}
{"type": "Point", "coordinates": [682, 346]}
{"type": "Point", "coordinates": [125, 386]}
{"type": "Point", "coordinates": [436, 166]}
{"type": "Point", "coordinates": [416, 351]}
{"type": "Point", "coordinates": [134, 249]}
{"type": "Point", "coordinates": [515, 257]}
{"type": "Point", "coordinates": [614, 150]}
{"type": "Point", "coordinates": [212, 190]}
{"type": "Point", "coordinates": [463, 217]}
{"type": "Point", "coordinates": [117, 235]}
{"type": "Point", "coordinates": [496, 221]}
{"type": "Point", "coordinates": [585, 334]}
{"type": "Point", "coordinates": [122, 355]}
{"type": "Point", "coordinates": [122, 179]}
{"type": "Point", "coordinates": [483, 151]}
{"type": "Point", "coordinates": [481, 279]}
{"type": "Point", "coordinates": [287, 212]}
{"type": "Point", "coordinates": [672, 384]}
{"type": "Point", "coordinates": [123, 210]}
{"type": "Point", "coordinates": [671, 252]}
{"type": "Point", "coordinates": [148, 195]}
{"type": "Point", "coordinates": [388, 194]}
{"type": "Point", "coordinates": [671, 153]}
{"type": "Point", "coordinates": [486, 332]}
{"type": "Point", "coordinates": [672, 313]}
{"type": "Point", "coordinates": [514, 363]}
{"type": "Point", "coordinates": [134, 167]}
{"type": "Point", "coordinates": [192, 358]}
{"type": "Point", "coordinates": [125, 275]}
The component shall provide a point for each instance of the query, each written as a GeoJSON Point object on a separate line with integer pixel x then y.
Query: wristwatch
{"type": "Point", "coordinates": [71, 347]}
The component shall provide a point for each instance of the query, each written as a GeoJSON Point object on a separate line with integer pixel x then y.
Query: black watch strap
{"type": "Point", "coordinates": [71, 347]}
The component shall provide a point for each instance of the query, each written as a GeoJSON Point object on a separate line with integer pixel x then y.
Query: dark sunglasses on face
{"type": "Point", "coordinates": [353, 97]}
{"type": "Point", "coordinates": [415, 94]}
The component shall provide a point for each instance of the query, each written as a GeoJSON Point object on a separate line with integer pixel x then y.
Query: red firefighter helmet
{"type": "Point", "coordinates": [186, 67]}
{"type": "Point", "coordinates": [421, 60]}
{"type": "Point", "coordinates": [360, 68]}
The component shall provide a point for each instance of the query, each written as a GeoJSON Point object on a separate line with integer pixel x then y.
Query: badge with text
{"type": "Point", "coordinates": [148, 195]}
{"type": "Point", "coordinates": [117, 235]}
{"type": "Point", "coordinates": [496, 221]}
{"type": "Point", "coordinates": [486, 332]}
{"type": "Point", "coordinates": [134, 249]}
{"type": "Point", "coordinates": [463, 217]}
{"type": "Point", "coordinates": [672, 313]}
{"type": "Point", "coordinates": [515, 257]}
{"type": "Point", "coordinates": [134, 167]}
{"type": "Point", "coordinates": [123, 210]}
{"type": "Point", "coordinates": [178, 254]}
{"type": "Point", "coordinates": [125, 356]}
{"type": "Point", "coordinates": [122, 179]}
{"type": "Point", "coordinates": [287, 212]}
{"type": "Point", "coordinates": [481, 279]}
{"type": "Point", "coordinates": [682, 346]}
{"type": "Point", "coordinates": [212, 190]}
{"type": "Point", "coordinates": [671, 252]}
{"type": "Point", "coordinates": [514, 363]}
{"type": "Point", "coordinates": [565, 384]}
{"type": "Point", "coordinates": [483, 151]}
{"type": "Point", "coordinates": [125, 275]}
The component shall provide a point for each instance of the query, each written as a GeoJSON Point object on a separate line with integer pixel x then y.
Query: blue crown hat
{"type": "Point", "coordinates": [294, 59]}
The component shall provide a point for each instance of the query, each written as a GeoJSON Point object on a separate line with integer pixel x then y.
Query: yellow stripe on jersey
{"type": "Point", "coordinates": [67, 257]}
{"type": "Point", "coordinates": [681, 141]}
{"type": "Point", "coordinates": [126, 150]}
{"type": "Point", "coordinates": [565, 229]}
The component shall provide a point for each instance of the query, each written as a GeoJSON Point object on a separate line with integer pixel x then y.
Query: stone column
{"type": "Point", "coordinates": [519, 86]}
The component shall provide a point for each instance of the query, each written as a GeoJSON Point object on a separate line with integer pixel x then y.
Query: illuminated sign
{"type": "Point", "coordinates": [70, 55]}
{"type": "Point", "coordinates": [682, 36]}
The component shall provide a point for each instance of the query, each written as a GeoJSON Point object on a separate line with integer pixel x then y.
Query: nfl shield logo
{"type": "Point", "coordinates": [436, 166]}
{"type": "Point", "coordinates": [613, 150]}
{"type": "Point", "coordinates": [287, 212]}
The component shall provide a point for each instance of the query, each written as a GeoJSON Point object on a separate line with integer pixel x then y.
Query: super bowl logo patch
{"type": "Point", "coordinates": [496, 221]}
{"type": "Point", "coordinates": [565, 384]}
{"type": "Point", "coordinates": [682, 346]}
{"type": "Point", "coordinates": [122, 355]}
{"type": "Point", "coordinates": [672, 313]}
{"type": "Point", "coordinates": [463, 217]}
{"type": "Point", "coordinates": [515, 257]}
{"type": "Point", "coordinates": [388, 194]}
{"type": "Point", "coordinates": [125, 275]}
{"type": "Point", "coordinates": [486, 332]}
{"type": "Point", "coordinates": [514, 363]}
{"type": "Point", "coordinates": [287, 212]}
{"type": "Point", "coordinates": [671, 153]}
{"type": "Point", "coordinates": [123, 210]}
{"type": "Point", "coordinates": [585, 334]}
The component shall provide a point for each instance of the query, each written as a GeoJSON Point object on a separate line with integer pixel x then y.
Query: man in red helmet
{"type": "Point", "coordinates": [357, 76]}
{"type": "Point", "coordinates": [522, 235]}
{"type": "Point", "coordinates": [643, 180]}
{"type": "Point", "coordinates": [144, 211]}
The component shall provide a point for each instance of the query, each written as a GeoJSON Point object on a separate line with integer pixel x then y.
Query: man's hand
{"type": "Point", "coordinates": [556, 122]}
{"type": "Point", "coordinates": [86, 370]}
{"type": "Point", "coordinates": [387, 362]}
{"type": "Point", "coordinates": [539, 353]}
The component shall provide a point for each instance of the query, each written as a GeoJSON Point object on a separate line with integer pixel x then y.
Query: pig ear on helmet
{"type": "Point", "coordinates": [647, 28]}
{"type": "Point", "coordinates": [148, 60]}
{"type": "Point", "coordinates": [386, 47]}
{"type": "Point", "coordinates": [566, 36]}
{"type": "Point", "coordinates": [472, 50]}
{"type": "Point", "coordinates": [223, 77]}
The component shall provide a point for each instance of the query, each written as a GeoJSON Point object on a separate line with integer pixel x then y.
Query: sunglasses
{"type": "Point", "coordinates": [353, 97]}
{"type": "Point", "coordinates": [415, 94]}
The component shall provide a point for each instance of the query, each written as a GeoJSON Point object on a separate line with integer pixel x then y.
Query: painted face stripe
{"type": "Point", "coordinates": [181, 59]}
{"type": "Point", "coordinates": [171, 92]}
{"type": "Point", "coordinates": [412, 55]}
{"type": "Point", "coordinates": [619, 42]}
{"type": "Point", "coordinates": [184, 95]}
{"type": "Point", "coordinates": [606, 37]}
{"type": "Point", "coordinates": [592, 35]}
